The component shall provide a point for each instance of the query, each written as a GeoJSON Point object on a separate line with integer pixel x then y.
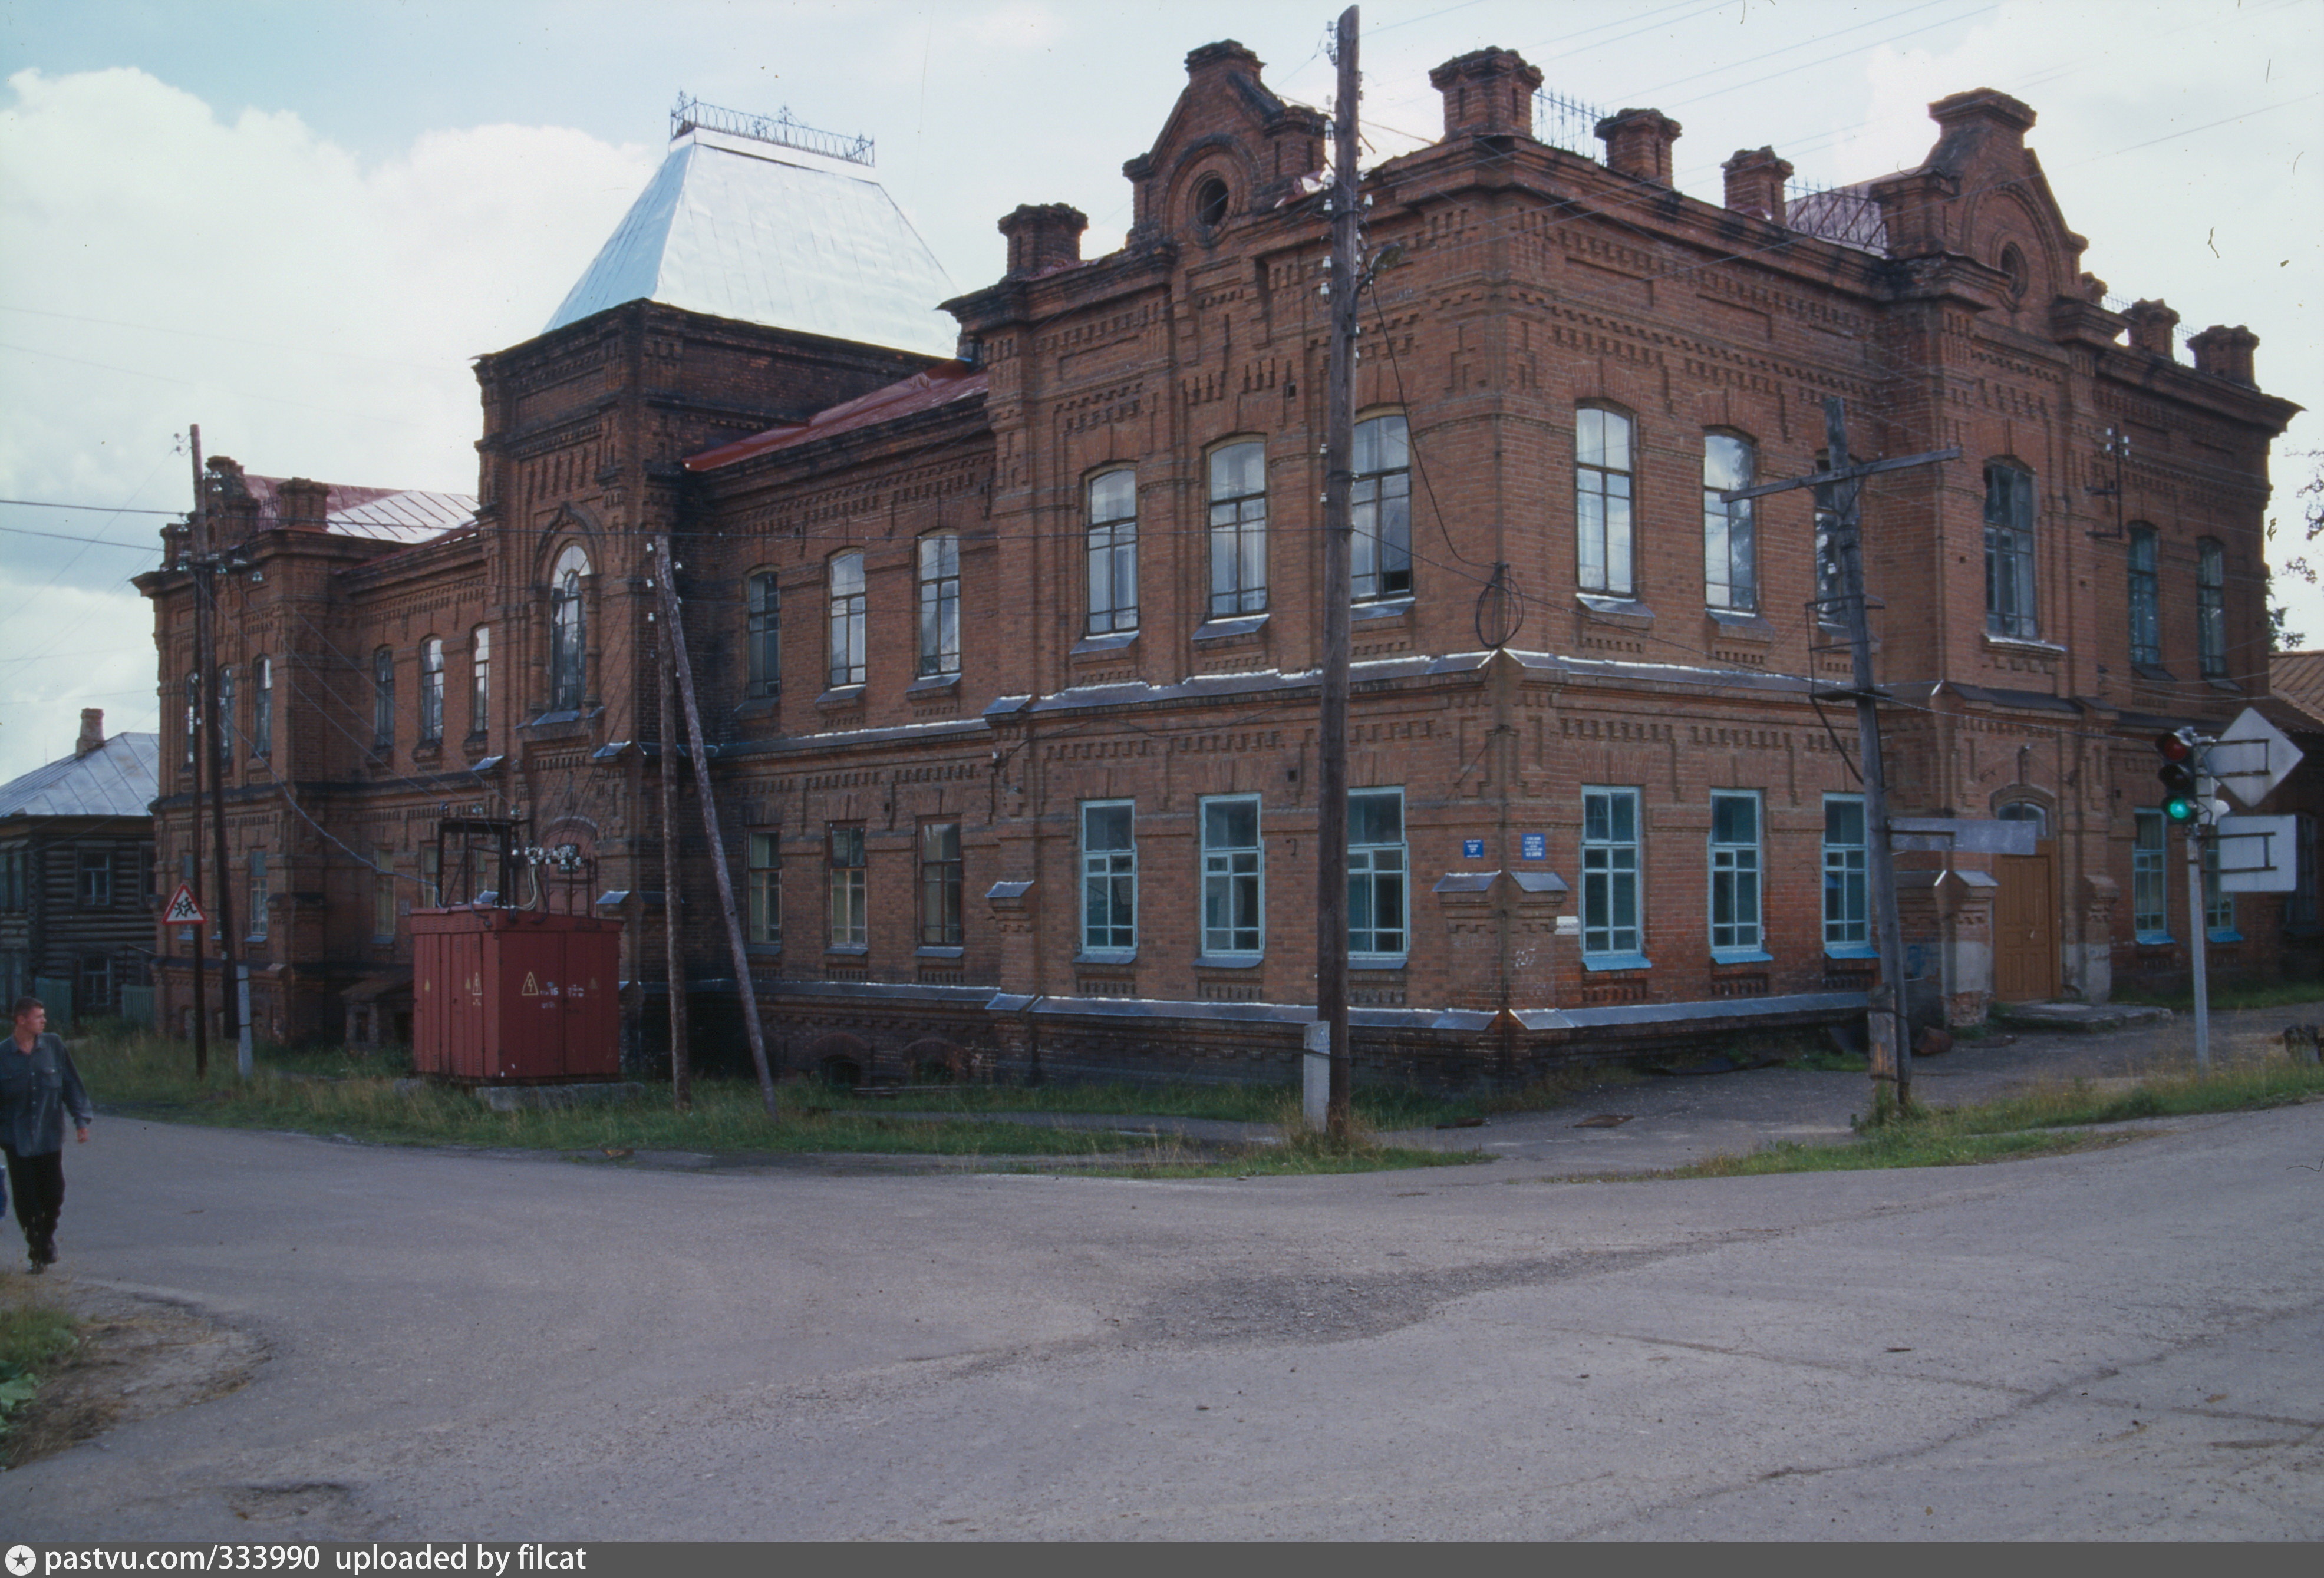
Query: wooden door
{"type": "Point", "coordinates": [2026, 926]}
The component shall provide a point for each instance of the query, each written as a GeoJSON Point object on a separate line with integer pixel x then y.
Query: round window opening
{"type": "Point", "coordinates": [2012, 263]}
{"type": "Point", "coordinates": [1211, 203]}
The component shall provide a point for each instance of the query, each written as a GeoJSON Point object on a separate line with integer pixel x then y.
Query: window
{"type": "Point", "coordinates": [940, 603]}
{"type": "Point", "coordinates": [258, 894]}
{"type": "Point", "coordinates": [1112, 552]}
{"type": "Point", "coordinates": [846, 621]}
{"type": "Point", "coordinates": [1238, 530]}
{"type": "Point", "coordinates": [1847, 899]}
{"type": "Point", "coordinates": [1609, 878]}
{"type": "Point", "coordinates": [2009, 553]}
{"type": "Point", "coordinates": [431, 874]}
{"type": "Point", "coordinates": [845, 878]}
{"type": "Point", "coordinates": [2145, 602]}
{"type": "Point", "coordinates": [763, 656]}
{"type": "Point", "coordinates": [2211, 607]}
{"type": "Point", "coordinates": [1232, 894]}
{"type": "Point", "coordinates": [1382, 503]}
{"type": "Point", "coordinates": [383, 699]}
{"type": "Point", "coordinates": [92, 982]}
{"type": "Point", "coordinates": [2218, 907]}
{"type": "Point", "coordinates": [383, 896]}
{"type": "Point", "coordinates": [226, 687]}
{"type": "Point", "coordinates": [480, 678]}
{"type": "Point", "coordinates": [1602, 499]}
{"type": "Point", "coordinates": [568, 635]}
{"type": "Point", "coordinates": [1108, 879]}
{"type": "Point", "coordinates": [262, 707]}
{"type": "Point", "coordinates": [193, 715]}
{"type": "Point", "coordinates": [2300, 909]}
{"type": "Point", "coordinates": [764, 881]}
{"type": "Point", "coordinates": [431, 690]}
{"type": "Point", "coordinates": [2150, 885]}
{"type": "Point", "coordinates": [1375, 875]}
{"type": "Point", "coordinates": [1731, 555]}
{"type": "Point", "coordinates": [940, 874]}
{"type": "Point", "coordinates": [96, 885]}
{"type": "Point", "coordinates": [1735, 864]}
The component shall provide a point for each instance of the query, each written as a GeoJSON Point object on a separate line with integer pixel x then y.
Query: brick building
{"type": "Point", "coordinates": [1009, 656]}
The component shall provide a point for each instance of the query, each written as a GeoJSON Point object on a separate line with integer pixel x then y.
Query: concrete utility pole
{"type": "Point", "coordinates": [675, 633]}
{"type": "Point", "coordinates": [200, 544]}
{"type": "Point", "coordinates": [1891, 1051]}
{"type": "Point", "coordinates": [1341, 287]}
{"type": "Point", "coordinates": [2199, 928]}
{"type": "Point", "coordinates": [681, 1070]}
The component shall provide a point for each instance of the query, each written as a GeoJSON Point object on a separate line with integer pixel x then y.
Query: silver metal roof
{"type": "Point", "coordinates": [773, 235]}
{"type": "Point", "coordinates": [412, 516]}
{"type": "Point", "coordinates": [118, 778]}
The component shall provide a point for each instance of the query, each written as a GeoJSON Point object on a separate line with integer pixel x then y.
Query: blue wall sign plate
{"type": "Point", "coordinates": [1472, 849]}
{"type": "Point", "coordinates": [1534, 846]}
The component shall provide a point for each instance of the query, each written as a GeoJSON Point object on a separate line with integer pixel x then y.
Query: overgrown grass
{"type": "Point", "coordinates": [2043, 1121]}
{"type": "Point", "coordinates": [2230, 995]}
{"type": "Point", "coordinates": [1302, 1152]}
{"type": "Point", "coordinates": [33, 1337]}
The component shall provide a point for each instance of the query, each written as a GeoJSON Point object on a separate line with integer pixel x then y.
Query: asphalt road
{"type": "Point", "coordinates": [2123, 1343]}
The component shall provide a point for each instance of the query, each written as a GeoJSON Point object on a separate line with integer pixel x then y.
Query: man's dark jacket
{"type": "Point", "coordinates": [36, 1090]}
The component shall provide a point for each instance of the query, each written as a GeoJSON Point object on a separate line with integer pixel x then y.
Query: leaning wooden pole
{"type": "Point", "coordinates": [674, 632]}
{"type": "Point", "coordinates": [200, 541]}
{"type": "Point", "coordinates": [681, 1067]}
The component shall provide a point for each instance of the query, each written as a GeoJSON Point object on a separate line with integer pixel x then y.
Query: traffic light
{"type": "Point", "coordinates": [2181, 752]}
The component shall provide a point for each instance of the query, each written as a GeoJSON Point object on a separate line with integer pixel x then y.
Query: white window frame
{"type": "Point", "coordinates": [383, 699]}
{"type": "Point", "coordinates": [938, 562]}
{"type": "Point", "coordinates": [2150, 876]}
{"type": "Point", "coordinates": [1738, 874]}
{"type": "Point", "coordinates": [1238, 530]}
{"type": "Point", "coordinates": [1609, 862]}
{"type": "Point", "coordinates": [762, 882]}
{"type": "Point", "coordinates": [1605, 502]}
{"type": "Point", "coordinates": [1234, 882]}
{"type": "Point", "coordinates": [1846, 872]}
{"type": "Point", "coordinates": [2211, 608]}
{"type": "Point", "coordinates": [1109, 864]}
{"type": "Point", "coordinates": [847, 889]}
{"type": "Point", "coordinates": [762, 635]}
{"type": "Point", "coordinates": [1730, 548]}
{"type": "Point", "coordinates": [480, 679]}
{"type": "Point", "coordinates": [1113, 549]}
{"type": "Point", "coordinates": [2012, 502]}
{"type": "Point", "coordinates": [262, 706]}
{"type": "Point", "coordinates": [568, 632]}
{"type": "Point", "coordinates": [1382, 868]}
{"type": "Point", "coordinates": [2145, 594]}
{"type": "Point", "coordinates": [847, 591]}
{"type": "Point", "coordinates": [1380, 509]}
{"type": "Point", "coordinates": [431, 690]}
{"type": "Point", "coordinates": [260, 891]}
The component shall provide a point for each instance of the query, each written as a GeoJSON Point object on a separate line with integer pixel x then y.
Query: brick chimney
{"type": "Point", "coordinates": [1754, 183]}
{"type": "Point", "coordinates": [1044, 237]}
{"type": "Point", "coordinates": [1488, 93]}
{"type": "Point", "coordinates": [1638, 143]}
{"type": "Point", "coordinates": [2226, 353]}
{"type": "Point", "coordinates": [92, 730]}
{"type": "Point", "coordinates": [2150, 323]}
{"type": "Point", "coordinates": [303, 503]}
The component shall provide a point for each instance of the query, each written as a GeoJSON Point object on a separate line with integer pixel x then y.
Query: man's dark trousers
{"type": "Point", "coordinates": [38, 1182]}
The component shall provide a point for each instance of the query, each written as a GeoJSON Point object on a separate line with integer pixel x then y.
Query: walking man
{"type": "Point", "coordinates": [38, 1085]}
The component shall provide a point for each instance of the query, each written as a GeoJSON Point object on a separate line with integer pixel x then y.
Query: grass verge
{"type": "Point", "coordinates": [2228, 995]}
{"type": "Point", "coordinates": [34, 1337]}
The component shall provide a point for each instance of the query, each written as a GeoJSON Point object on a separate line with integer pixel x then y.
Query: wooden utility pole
{"type": "Point", "coordinates": [681, 1070]}
{"type": "Point", "coordinates": [200, 544]}
{"type": "Point", "coordinates": [674, 633]}
{"type": "Point", "coordinates": [221, 903]}
{"type": "Point", "coordinates": [1891, 1051]}
{"type": "Point", "coordinates": [1342, 287]}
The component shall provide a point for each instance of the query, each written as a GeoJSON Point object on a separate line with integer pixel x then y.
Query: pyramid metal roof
{"type": "Point", "coordinates": [737, 228]}
{"type": "Point", "coordinates": [118, 778]}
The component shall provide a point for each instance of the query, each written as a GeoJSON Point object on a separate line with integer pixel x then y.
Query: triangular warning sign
{"type": "Point", "coordinates": [182, 910]}
{"type": "Point", "coordinates": [531, 986]}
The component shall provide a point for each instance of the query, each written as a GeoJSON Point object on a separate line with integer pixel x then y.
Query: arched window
{"type": "Point", "coordinates": [846, 619]}
{"type": "Point", "coordinates": [262, 707]}
{"type": "Point", "coordinates": [1602, 499]}
{"type": "Point", "coordinates": [1380, 558]}
{"type": "Point", "coordinates": [2211, 607]}
{"type": "Point", "coordinates": [569, 645]}
{"type": "Point", "coordinates": [1238, 530]}
{"type": "Point", "coordinates": [939, 604]}
{"type": "Point", "coordinates": [2145, 601]}
{"type": "Point", "coordinates": [761, 636]}
{"type": "Point", "coordinates": [1730, 553]}
{"type": "Point", "coordinates": [1112, 552]}
{"type": "Point", "coordinates": [383, 699]}
{"type": "Point", "coordinates": [2009, 553]}
{"type": "Point", "coordinates": [431, 690]}
{"type": "Point", "coordinates": [2026, 811]}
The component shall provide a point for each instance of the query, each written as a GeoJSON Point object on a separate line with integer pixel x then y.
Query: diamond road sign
{"type": "Point", "coordinates": [2252, 757]}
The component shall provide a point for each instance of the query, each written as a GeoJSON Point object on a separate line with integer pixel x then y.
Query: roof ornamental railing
{"type": "Point", "coordinates": [1849, 216]}
{"type": "Point", "coordinates": [1566, 122]}
{"type": "Point", "coordinates": [779, 128]}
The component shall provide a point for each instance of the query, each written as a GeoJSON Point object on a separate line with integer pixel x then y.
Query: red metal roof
{"type": "Point", "coordinates": [923, 391]}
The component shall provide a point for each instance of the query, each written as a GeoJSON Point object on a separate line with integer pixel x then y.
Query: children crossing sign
{"type": "Point", "coordinates": [183, 910]}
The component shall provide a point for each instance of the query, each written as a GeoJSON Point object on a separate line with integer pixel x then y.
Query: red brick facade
{"type": "Point", "coordinates": [1560, 333]}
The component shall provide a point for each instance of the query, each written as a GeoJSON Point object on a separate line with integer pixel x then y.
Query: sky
{"type": "Point", "coordinates": [293, 223]}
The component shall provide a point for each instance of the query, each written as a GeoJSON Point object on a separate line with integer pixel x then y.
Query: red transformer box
{"type": "Point", "coordinates": [505, 996]}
